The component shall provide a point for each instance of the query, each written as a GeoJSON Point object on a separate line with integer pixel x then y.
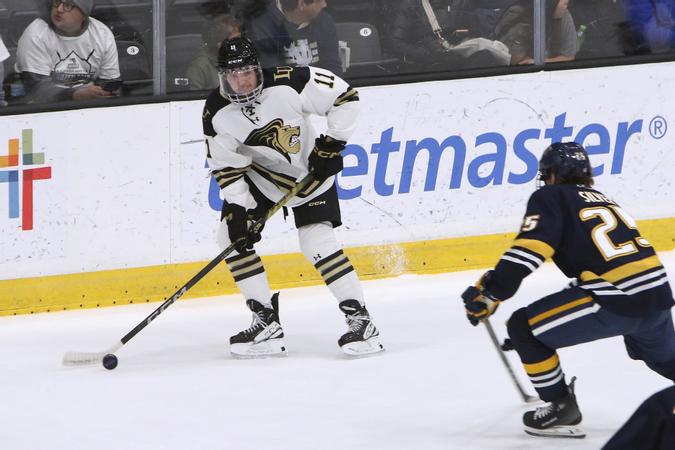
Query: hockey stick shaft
{"type": "Point", "coordinates": [82, 358]}
{"type": "Point", "coordinates": [527, 398]}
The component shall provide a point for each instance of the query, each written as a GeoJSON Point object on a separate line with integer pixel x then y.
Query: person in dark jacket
{"type": "Point", "coordinates": [435, 33]}
{"type": "Point", "coordinates": [651, 427]}
{"type": "Point", "coordinates": [293, 33]}
{"type": "Point", "coordinates": [515, 29]}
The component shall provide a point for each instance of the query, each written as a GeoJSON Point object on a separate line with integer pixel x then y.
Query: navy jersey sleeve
{"type": "Point", "coordinates": [539, 236]}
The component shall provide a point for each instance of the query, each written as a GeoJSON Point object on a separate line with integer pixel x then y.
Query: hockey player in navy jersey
{"type": "Point", "coordinates": [260, 142]}
{"type": "Point", "coordinates": [620, 287]}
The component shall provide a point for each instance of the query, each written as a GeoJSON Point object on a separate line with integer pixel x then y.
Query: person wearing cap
{"type": "Point", "coordinates": [68, 55]}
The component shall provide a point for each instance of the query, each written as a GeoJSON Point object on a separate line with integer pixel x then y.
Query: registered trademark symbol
{"type": "Point", "coordinates": [658, 127]}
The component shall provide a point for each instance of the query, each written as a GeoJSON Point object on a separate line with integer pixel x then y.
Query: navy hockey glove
{"type": "Point", "coordinates": [325, 159]}
{"type": "Point", "coordinates": [478, 303]}
{"type": "Point", "coordinates": [238, 223]}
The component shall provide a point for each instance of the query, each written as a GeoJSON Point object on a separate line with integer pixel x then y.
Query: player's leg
{"type": "Point", "coordinates": [653, 341]}
{"type": "Point", "coordinates": [315, 221]}
{"type": "Point", "coordinates": [559, 320]}
{"type": "Point", "coordinates": [265, 336]}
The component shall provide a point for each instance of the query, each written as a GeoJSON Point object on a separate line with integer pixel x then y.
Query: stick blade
{"type": "Point", "coordinates": [82, 358]}
{"type": "Point", "coordinates": [74, 359]}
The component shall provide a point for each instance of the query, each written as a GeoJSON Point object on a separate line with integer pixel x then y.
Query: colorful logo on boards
{"type": "Point", "coordinates": [16, 171]}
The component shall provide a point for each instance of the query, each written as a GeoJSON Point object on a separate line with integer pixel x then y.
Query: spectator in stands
{"type": "Point", "coordinates": [293, 33]}
{"type": "Point", "coordinates": [516, 31]}
{"type": "Point", "coordinates": [443, 34]}
{"type": "Point", "coordinates": [653, 23]}
{"type": "Point", "coordinates": [4, 54]}
{"type": "Point", "coordinates": [68, 56]}
{"type": "Point", "coordinates": [202, 71]}
{"type": "Point", "coordinates": [601, 26]}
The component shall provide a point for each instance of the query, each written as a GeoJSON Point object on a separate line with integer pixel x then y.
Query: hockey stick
{"type": "Point", "coordinates": [527, 398]}
{"type": "Point", "coordinates": [88, 358]}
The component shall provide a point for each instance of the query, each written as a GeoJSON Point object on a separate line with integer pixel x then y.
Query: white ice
{"type": "Point", "coordinates": [439, 385]}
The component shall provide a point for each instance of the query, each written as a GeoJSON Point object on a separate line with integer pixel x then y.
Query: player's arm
{"type": "Point", "coordinates": [539, 235]}
{"type": "Point", "coordinates": [227, 166]}
{"type": "Point", "coordinates": [328, 95]}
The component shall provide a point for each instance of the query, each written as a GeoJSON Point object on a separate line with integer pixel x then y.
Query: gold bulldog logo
{"type": "Point", "coordinates": [283, 138]}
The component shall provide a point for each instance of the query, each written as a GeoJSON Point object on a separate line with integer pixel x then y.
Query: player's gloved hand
{"type": "Point", "coordinates": [238, 228]}
{"type": "Point", "coordinates": [325, 159]}
{"type": "Point", "coordinates": [478, 303]}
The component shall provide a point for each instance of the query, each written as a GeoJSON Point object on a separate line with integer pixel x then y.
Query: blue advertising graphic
{"type": "Point", "coordinates": [468, 169]}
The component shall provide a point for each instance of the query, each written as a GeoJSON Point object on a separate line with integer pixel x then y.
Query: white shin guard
{"type": "Point", "coordinates": [317, 242]}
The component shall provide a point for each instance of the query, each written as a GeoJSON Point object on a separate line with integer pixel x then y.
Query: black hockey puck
{"type": "Point", "coordinates": [110, 361]}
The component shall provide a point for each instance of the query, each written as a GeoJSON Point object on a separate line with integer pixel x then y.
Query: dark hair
{"type": "Point", "coordinates": [218, 29]}
{"type": "Point", "coordinates": [290, 5]}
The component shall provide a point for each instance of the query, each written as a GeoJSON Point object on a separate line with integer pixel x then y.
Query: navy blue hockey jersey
{"type": "Point", "coordinates": [590, 238]}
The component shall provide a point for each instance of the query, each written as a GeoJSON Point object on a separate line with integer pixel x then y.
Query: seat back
{"type": "Point", "coordinates": [363, 40]}
{"type": "Point", "coordinates": [133, 60]}
{"type": "Point", "coordinates": [135, 68]}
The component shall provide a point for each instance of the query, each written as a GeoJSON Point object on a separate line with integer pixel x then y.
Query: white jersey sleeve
{"type": "Point", "coordinates": [328, 95]}
{"type": "Point", "coordinates": [4, 54]}
{"type": "Point", "coordinates": [228, 166]}
{"type": "Point", "coordinates": [32, 54]}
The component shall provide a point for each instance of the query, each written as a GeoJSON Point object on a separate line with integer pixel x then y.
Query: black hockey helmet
{"type": "Point", "coordinates": [238, 58]}
{"type": "Point", "coordinates": [568, 161]}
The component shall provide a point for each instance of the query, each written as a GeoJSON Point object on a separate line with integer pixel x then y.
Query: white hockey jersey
{"type": "Point", "coordinates": [270, 140]}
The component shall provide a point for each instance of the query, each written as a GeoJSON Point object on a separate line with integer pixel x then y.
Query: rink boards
{"type": "Point", "coordinates": [114, 205]}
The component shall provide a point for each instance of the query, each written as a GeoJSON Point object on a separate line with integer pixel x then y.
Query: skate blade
{"type": "Point", "coordinates": [362, 349]}
{"type": "Point", "coordinates": [271, 348]}
{"type": "Point", "coordinates": [560, 431]}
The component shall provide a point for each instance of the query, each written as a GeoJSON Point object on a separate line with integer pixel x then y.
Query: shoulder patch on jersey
{"type": "Point", "coordinates": [214, 103]}
{"type": "Point", "coordinates": [294, 77]}
{"type": "Point", "coordinates": [350, 95]}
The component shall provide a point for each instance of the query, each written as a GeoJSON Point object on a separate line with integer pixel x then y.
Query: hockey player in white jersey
{"type": "Point", "coordinates": [260, 142]}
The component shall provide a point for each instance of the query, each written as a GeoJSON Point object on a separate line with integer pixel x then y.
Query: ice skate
{"type": "Point", "coordinates": [264, 338]}
{"type": "Point", "coordinates": [362, 339]}
{"type": "Point", "coordinates": [557, 419]}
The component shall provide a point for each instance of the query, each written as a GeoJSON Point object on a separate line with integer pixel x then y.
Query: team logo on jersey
{"type": "Point", "coordinates": [72, 70]}
{"type": "Point", "coordinates": [283, 138]}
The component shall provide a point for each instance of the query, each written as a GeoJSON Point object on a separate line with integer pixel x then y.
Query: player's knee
{"type": "Point", "coordinates": [317, 239]}
{"type": "Point", "coordinates": [518, 327]}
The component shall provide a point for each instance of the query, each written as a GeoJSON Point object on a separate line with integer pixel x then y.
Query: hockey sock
{"type": "Point", "coordinates": [321, 248]}
{"type": "Point", "coordinates": [250, 277]}
{"type": "Point", "coordinates": [541, 363]}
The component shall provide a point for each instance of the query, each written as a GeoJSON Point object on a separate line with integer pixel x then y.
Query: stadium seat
{"type": "Point", "coordinates": [362, 54]}
{"type": "Point", "coordinates": [134, 68]}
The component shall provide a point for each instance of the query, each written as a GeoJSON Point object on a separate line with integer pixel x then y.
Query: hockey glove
{"type": "Point", "coordinates": [238, 223]}
{"type": "Point", "coordinates": [479, 303]}
{"type": "Point", "coordinates": [325, 159]}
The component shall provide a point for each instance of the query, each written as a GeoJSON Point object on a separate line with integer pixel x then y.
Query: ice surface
{"type": "Point", "coordinates": [439, 385]}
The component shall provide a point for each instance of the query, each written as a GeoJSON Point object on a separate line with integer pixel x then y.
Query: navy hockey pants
{"type": "Point", "coordinates": [572, 317]}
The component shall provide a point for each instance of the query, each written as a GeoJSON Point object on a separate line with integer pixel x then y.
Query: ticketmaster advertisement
{"type": "Point", "coordinates": [124, 187]}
